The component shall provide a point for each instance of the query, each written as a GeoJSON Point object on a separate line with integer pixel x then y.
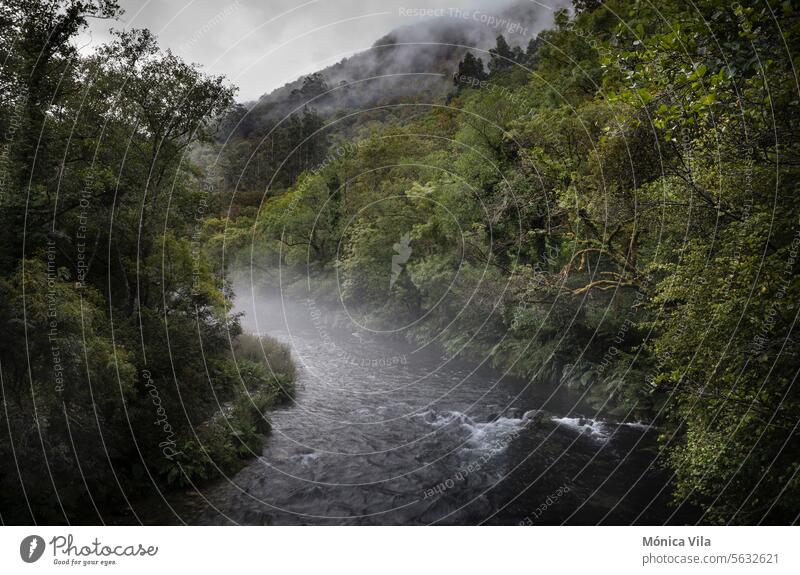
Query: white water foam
{"type": "Point", "coordinates": [595, 429]}
{"type": "Point", "coordinates": [638, 425]}
{"type": "Point", "coordinates": [491, 435]}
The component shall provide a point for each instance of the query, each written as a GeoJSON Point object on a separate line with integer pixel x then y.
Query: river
{"type": "Point", "coordinates": [381, 432]}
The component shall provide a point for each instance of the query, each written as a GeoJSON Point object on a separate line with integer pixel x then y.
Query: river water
{"type": "Point", "coordinates": [385, 433]}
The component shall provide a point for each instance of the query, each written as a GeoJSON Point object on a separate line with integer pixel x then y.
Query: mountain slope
{"type": "Point", "coordinates": [412, 63]}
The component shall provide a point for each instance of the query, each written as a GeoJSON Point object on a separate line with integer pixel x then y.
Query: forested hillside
{"type": "Point", "coordinates": [613, 206]}
{"type": "Point", "coordinates": [118, 347]}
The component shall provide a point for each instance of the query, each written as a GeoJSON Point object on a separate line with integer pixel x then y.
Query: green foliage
{"type": "Point", "coordinates": [623, 219]}
{"type": "Point", "coordinates": [116, 363]}
{"type": "Point", "coordinates": [264, 376]}
{"type": "Point", "coordinates": [614, 209]}
{"type": "Point", "coordinates": [470, 70]}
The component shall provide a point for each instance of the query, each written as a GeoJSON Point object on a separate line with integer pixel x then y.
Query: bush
{"type": "Point", "coordinates": [265, 372]}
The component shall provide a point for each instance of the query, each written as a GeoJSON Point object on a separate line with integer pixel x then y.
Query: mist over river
{"type": "Point", "coordinates": [383, 432]}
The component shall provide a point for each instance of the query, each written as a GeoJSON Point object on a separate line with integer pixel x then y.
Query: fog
{"type": "Point", "coordinates": [262, 45]}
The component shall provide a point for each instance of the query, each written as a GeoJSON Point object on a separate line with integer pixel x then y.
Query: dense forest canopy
{"type": "Point", "coordinates": [105, 281]}
{"type": "Point", "coordinates": [612, 205]}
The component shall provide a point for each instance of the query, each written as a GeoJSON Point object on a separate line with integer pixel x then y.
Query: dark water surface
{"type": "Point", "coordinates": [383, 433]}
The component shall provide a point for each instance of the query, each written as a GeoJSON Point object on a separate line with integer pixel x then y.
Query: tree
{"type": "Point", "coordinates": [470, 70]}
{"type": "Point", "coordinates": [313, 85]}
{"type": "Point", "coordinates": [114, 281]}
{"type": "Point", "coordinates": [501, 57]}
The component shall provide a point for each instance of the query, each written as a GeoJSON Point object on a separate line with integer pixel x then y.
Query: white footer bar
{"type": "Point", "coordinates": [401, 550]}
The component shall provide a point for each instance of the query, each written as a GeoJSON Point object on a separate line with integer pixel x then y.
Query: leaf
{"type": "Point", "coordinates": [699, 72]}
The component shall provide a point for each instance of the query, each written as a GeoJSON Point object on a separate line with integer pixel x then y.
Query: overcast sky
{"type": "Point", "coordinates": [263, 44]}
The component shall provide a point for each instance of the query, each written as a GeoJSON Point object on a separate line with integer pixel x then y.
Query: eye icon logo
{"type": "Point", "coordinates": [31, 548]}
